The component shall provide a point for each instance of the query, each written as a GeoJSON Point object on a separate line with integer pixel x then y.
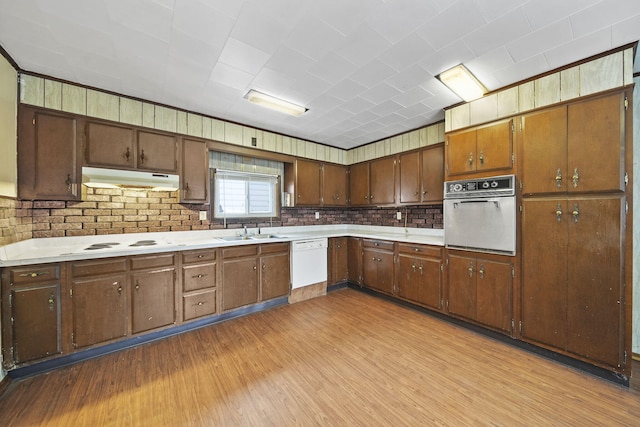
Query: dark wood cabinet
{"type": "Point", "coordinates": [382, 181]}
{"type": "Point", "coordinates": [32, 327]}
{"type": "Point", "coordinates": [157, 152]}
{"type": "Point", "coordinates": [487, 148]}
{"type": "Point", "coordinates": [421, 175]}
{"type": "Point", "coordinates": [419, 274]}
{"type": "Point", "coordinates": [275, 275]}
{"type": "Point", "coordinates": [480, 289]}
{"type": "Point", "coordinates": [555, 155]}
{"type": "Point", "coordinates": [354, 256]}
{"type": "Point", "coordinates": [573, 287]}
{"type": "Point", "coordinates": [99, 301]}
{"type": "Point", "coordinates": [337, 260]}
{"type": "Point", "coordinates": [194, 174]}
{"type": "Point", "coordinates": [307, 183]}
{"type": "Point", "coordinates": [109, 145]}
{"type": "Point", "coordinates": [334, 185]}
{"type": "Point", "coordinates": [359, 184]}
{"type": "Point", "coordinates": [378, 265]}
{"type": "Point", "coordinates": [153, 292]}
{"type": "Point", "coordinates": [239, 276]}
{"type": "Point", "coordinates": [199, 283]}
{"type": "Point", "coordinates": [48, 166]}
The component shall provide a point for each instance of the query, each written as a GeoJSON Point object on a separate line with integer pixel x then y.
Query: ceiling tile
{"type": "Point", "coordinates": [458, 20]}
{"type": "Point", "coordinates": [541, 40]}
{"type": "Point", "coordinates": [601, 15]}
{"type": "Point", "coordinates": [508, 27]}
{"type": "Point", "coordinates": [242, 56]}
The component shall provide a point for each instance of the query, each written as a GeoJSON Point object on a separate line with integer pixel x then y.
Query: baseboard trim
{"type": "Point", "coordinates": [82, 355]}
{"type": "Point", "coordinates": [547, 354]}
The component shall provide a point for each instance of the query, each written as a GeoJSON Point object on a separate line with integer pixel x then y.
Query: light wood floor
{"type": "Point", "coordinates": [347, 359]}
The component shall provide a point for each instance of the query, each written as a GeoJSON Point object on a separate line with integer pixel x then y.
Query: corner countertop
{"type": "Point", "coordinates": [59, 249]}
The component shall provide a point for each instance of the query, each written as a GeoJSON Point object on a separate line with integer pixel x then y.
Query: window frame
{"type": "Point", "coordinates": [274, 180]}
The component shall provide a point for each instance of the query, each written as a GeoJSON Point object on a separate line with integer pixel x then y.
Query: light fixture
{"type": "Point", "coordinates": [274, 103]}
{"type": "Point", "coordinates": [462, 82]}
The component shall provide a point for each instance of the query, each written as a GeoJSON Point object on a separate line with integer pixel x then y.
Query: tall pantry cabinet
{"type": "Point", "coordinates": [574, 212]}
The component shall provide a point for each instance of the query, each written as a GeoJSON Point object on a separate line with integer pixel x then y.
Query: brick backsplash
{"type": "Point", "coordinates": [115, 211]}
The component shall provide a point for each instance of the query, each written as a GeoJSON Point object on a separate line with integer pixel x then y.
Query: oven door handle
{"type": "Point", "coordinates": [494, 201]}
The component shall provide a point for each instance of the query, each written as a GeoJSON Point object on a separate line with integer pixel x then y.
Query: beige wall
{"type": "Point", "coordinates": [8, 113]}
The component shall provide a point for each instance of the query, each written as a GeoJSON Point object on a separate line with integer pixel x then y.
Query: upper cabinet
{"type": "Point", "coordinates": [359, 184]}
{"type": "Point", "coordinates": [373, 182]}
{"type": "Point", "coordinates": [112, 145]}
{"type": "Point", "coordinates": [316, 184]}
{"type": "Point", "coordinates": [487, 148]}
{"type": "Point", "coordinates": [48, 166]}
{"type": "Point", "coordinates": [421, 175]}
{"type": "Point", "coordinates": [576, 148]}
{"type": "Point", "coordinates": [194, 176]}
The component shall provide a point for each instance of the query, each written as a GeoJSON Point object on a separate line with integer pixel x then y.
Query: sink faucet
{"type": "Point", "coordinates": [245, 231]}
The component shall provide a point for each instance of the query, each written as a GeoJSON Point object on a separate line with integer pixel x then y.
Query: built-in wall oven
{"type": "Point", "coordinates": [480, 214]}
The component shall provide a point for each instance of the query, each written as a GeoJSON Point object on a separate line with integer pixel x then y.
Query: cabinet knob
{"type": "Point", "coordinates": [142, 157]}
{"type": "Point", "coordinates": [481, 271]}
{"type": "Point", "coordinates": [470, 159]}
{"type": "Point", "coordinates": [575, 213]}
{"type": "Point", "coordinates": [575, 178]}
{"type": "Point", "coordinates": [559, 213]}
{"type": "Point", "coordinates": [186, 188]}
{"type": "Point", "coordinates": [52, 301]}
{"type": "Point", "coordinates": [255, 267]}
{"type": "Point", "coordinates": [559, 178]}
{"type": "Point", "coordinates": [127, 155]}
{"type": "Point", "coordinates": [481, 158]}
{"type": "Point", "coordinates": [200, 302]}
{"type": "Point", "coordinates": [68, 182]}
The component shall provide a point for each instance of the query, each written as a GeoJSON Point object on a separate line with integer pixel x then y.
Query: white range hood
{"type": "Point", "coordinates": [110, 178]}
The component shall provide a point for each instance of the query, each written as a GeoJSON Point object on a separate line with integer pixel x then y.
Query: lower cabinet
{"type": "Point", "coordinates": [337, 260]}
{"type": "Point", "coordinates": [153, 292]}
{"type": "Point", "coordinates": [32, 329]}
{"type": "Point", "coordinates": [275, 274]}
{"type": "Point", "coordinates": [377, 265]}
{"type": "Point", "coordinates": [354, 263]}
{"type": "Point", "coordinates": [199, 283]}
{"type": "Point", "coordinates": [419, 274]}
{"type": "Point", "coordinates": [480, 288]}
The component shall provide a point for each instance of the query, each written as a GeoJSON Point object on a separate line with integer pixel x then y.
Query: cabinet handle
{"type": "Point", "coordinates": [470, 270]}
{"type": "Point", "coordinates": [416, 249]}
{"type": "Point", "coordinates": [558, 178]}
{"type": "Point", "coordinates": [198, 276]}
{"type": "Point", "coordinates": [255, 267]}
{"type": "Point", "coordinates": [470, 159]}
{"type": "Point", "coordinates": [142, 157]}
{"type": "Point", "coordinates": [186, 188]}
{"type": "Point", "coordinates": [127, 155]}
{"type": "Point", "coordinates": [559, 213]}
{"type": "Point", "coordinates": [34, 274]}
{"type": "Point", "coordinates": [424, 192]}
{"type": "Point", "coordinates": [575, 213]}
{"type": "Point", "coordinates": [421, 268]}
{"type": "Point", "coordinates": [52, 301]}
{"type": "Point", "coordinates": [373, 259]}
{"type": "Point", "coordinates": [201, 302]}
{"type": "Point", "coordinates": [68, 183]}
{"type": "Point", "coordinates": [366, 197]}
{"type": "Point", "coordinates": [379, 259]}
{"type": "Point", "coordinates": [263, 266]}
{"type": "Point", "coordinates": [481, 158]}
{"type": "Point", "coordinates": [575, 178]}
{"type": "Point", "coordinates": [481, 271]}
{"type": "Point", "coordinates": [371, 197]}
{"type": "Point", "coordinates": [416, 193]}
{"type": "Point", "coordinates": [200, 256]}
{"type": "Point", "coordinates": [414, 267]}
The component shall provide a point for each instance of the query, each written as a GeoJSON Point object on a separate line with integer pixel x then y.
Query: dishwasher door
{"type": "Point", "coordinates": [308, 262]}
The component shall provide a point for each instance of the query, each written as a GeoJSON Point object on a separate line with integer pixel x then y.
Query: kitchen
{"type": "Point", "coordinates": [131, 210]}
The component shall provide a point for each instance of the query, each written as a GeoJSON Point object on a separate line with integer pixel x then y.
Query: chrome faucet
{"type": "Point", "coordinates": [245, 231]}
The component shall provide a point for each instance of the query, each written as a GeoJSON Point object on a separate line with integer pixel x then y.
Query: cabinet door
{"type": "Point", "coordinates": [494, 146]}
{"type": "Point", "coordinates": [337, 260]}
{"type": "Point", "coordinates": [410, 179]}
{"type": "Point", "coordinates": [157, 152]}
{"type": "Point", "coordinates": [109, 145]}
{"type": "Point", "coordinates": [354, 255]}
{"type": "Point", "coordinates": [377, 269]}
{"type": "Point", "coordinates": [408, 278]}
{"type": "Point", "coordinates": [152, 299]}
{"type": "Point", "coordinates": [382, 181]}
{"type": "Point", "coordinates": [430, 279]}
{"type": "Point", "coordinates": [462, 286]}
{"type": "Point", "coordinates": [194, 176]}
{"type": "Point", "coordinates": [35, 314]}
{"type": "Point", "coordinates": [432, 174]}
{"type": "Point", "coordinates": [544, 271]}
{"type": "Point", "coordinates": [275, 277]}
{"type": "Point", "coordinates": [239, 282]}
{"type": "Point", "coordinates": [494, 283]}
{"type": "Point", "coordinates": [544, 152]}
{"type": "Point", "coordinates": [596, 144]}
{"type": "Point", "coordinates": [47, 162]}
{"type": "Point", "coordinates": [595, 315]}
{"type": "Point", "coordinates": [359, 184]}
{"type": "Point", "coordinates": [99, 310]}
{"type": "Point", "coordinates": [198, 276]}
{"type": "Point", "coordinates": [307, 183]}
{"type": "Point", "coordinates": [334, 185]}
{"type": "Point", "coordinates": [461, 152]}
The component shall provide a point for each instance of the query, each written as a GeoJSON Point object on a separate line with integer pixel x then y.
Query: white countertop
{"type": "Point", "coordinates": [57, 249]}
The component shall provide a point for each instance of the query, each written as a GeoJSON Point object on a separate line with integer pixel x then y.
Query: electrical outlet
{"type": "Point", "coordinates": [317, 215]}
{"type": "Point", "coordinates": [398, 215]}
{"type": "Point", "coordinates": [203, 215]}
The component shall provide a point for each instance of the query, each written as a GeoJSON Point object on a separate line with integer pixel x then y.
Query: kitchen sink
{"type": "Point", "coordinates": [232, 238]}
{"type": "Point", "coordinates": [265, 236]}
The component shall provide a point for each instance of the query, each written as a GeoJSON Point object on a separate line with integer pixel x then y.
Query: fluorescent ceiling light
{"type": "Point", "coordinates": [462, 83]}
{"type": "Point", "coordinates": [274, 103]}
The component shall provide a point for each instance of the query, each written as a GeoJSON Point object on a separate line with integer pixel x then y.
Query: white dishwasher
{"type": "Point", "coordinates": [308, 262]}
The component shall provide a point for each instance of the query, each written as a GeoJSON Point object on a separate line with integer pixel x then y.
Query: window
{"type": "Point", "coordinates": [245, 195]}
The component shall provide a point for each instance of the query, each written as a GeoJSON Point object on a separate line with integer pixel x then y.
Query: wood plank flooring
{"type": "Point", "coordinates": [345, 359]}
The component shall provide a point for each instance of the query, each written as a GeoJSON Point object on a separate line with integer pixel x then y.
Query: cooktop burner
{"type": "Point", "coordinates": [96, 246]}
{"type": "Point", "coordinates": [144, 243]}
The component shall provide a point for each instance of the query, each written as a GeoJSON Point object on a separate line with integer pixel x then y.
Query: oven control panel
{"type": "Point", "coordinates": [503, 185]}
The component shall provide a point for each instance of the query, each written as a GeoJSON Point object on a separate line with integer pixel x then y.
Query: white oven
{"type": "Point", "coordinates": [480, 214]}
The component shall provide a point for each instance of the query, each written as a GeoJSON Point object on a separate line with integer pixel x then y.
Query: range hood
{"type": "Point", "coordinates": [110, 178]}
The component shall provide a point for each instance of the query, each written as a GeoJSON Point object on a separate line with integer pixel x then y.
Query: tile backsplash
{"type": "Point", "coordinates": [115, 211]}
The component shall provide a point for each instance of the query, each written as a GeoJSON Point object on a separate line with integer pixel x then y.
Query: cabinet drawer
{"type": "Point", "coordinates": [189, 257]}
{"type": "Point", "coordinates": [154, 261]}
{"type": "Point", "coordinates": [199, 304]}
{"type": "Point", "coordinates": [240, 251]}
{"type": "Point", "coordinates": [38, 273]}
{"type": "Point", "coordinates": [380, 244]}
{"type": "Point", "coordinates": [422, 250]}
{"type": "Point", "coordinates": [198, 276]}
{"type": "Point", "coordinates": [270, 248]}
{"type": "Point", "coordinates": [98, 267]}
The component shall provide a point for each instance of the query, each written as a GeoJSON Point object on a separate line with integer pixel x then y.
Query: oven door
{"type": "Point", "coordinates": [486, 224]}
